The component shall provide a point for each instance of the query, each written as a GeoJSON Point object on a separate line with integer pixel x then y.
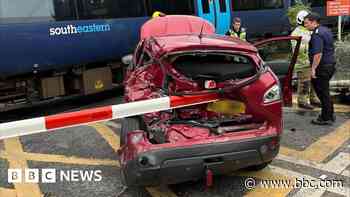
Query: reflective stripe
{"type": "Point", "coordinates": [303, 58]}
{"type": "Point", "coordinates": [79, 117]}
{"type": "Point", "coordinates": [38, 125]}
{"type": "Point", "coordinates": [140, 107]}
{"type": "Point", "coordinates": [242, 35]}
{"type": "Point", "coordinates": [22, 127]}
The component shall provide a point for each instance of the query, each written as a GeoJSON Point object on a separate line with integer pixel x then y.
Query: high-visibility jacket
{"type": "Point", "coordinates": [303, 59]}
{"type": "Point", "coordinates": [241, 34]}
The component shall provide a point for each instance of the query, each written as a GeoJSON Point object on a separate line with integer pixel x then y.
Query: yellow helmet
{"type": "Point", "coordinates": [157, 14]}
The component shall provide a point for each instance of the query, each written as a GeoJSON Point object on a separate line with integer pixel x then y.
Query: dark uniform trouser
{"type": "Point", "coordinates": [324, 74]}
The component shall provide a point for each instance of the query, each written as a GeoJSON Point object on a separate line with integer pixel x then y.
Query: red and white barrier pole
{"type": "Point", "coordinates": [43, 124]}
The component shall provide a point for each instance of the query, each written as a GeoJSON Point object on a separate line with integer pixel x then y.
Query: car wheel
{"type": "Point", "coordinates": [130, 124]}
{"type": "Point", "coordinates": [258, 167]}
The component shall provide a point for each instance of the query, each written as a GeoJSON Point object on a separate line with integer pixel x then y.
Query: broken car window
{"type": "Point", "coordinates": [218, 66]}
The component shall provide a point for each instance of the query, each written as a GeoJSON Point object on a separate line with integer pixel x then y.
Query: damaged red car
{"type": "Point", "coordinates": [181, 55]}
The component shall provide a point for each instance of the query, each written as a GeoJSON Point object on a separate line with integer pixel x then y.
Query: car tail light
{"type": "Point", "coordinates": [209, 84]}
{"type": "Point", "coordinates": [273, 94]}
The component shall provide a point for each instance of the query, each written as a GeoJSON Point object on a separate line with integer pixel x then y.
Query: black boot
{"type": "Point", "coordinates": [320, 121]}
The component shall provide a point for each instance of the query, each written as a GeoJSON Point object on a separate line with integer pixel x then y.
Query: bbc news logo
{"type": "Point", "coordinates": [52, 176]}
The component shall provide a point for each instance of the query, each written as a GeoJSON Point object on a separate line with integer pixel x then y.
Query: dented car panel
{"type": "Point", "coordinates": [241, 129]}
{"type": "Point", "coordinates": [176, 25]}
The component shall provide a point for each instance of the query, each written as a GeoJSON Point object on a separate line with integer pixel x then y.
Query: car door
{"type": "Point", "coordinates": [281, 57]}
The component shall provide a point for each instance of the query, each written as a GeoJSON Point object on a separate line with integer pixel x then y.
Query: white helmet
{"type": "Point", "coordinates": [300, 16]}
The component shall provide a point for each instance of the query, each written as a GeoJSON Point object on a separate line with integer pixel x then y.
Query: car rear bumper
{"type": "Point", "coordinates": [174, 165]}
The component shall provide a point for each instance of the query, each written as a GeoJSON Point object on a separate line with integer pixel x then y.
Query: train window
{"type": "Point", "coordinates": [64, 10]}
{"type": "Point", "coordinates": [245, 5]}
{"type": "Point", "coordinates": [131, 8]}
{"type": "Point", "coordinates": [19, 11]}
{"type": "Point", "coordinates": [171, 6]}
{"type": "Point", "coordinates": [272, 4]}
{"type": "Point", "coordinates": [205, 6]}
{"type": "Point", "coordinates": [222, 5]}
{"type": "Point", "coordinates": [294, 2]}
{"type": "Point", "coordinates": [317, 3]}
{"type": "Point", "coordinates": [94, 9]}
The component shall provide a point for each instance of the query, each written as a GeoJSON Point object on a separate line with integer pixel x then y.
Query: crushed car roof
{"type": "Point", "coordinates": [174, 43]}
{"type": "Point", "coordinates": [176, 25]}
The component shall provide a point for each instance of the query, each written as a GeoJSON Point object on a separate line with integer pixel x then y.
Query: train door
{"type": "Point", "coordinates": [217, 12]}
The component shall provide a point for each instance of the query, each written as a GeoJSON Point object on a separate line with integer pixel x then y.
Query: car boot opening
{"type": "Point", "coordinates": [195, 73]}
{"type": "Point", "coordinates": [216, 66]}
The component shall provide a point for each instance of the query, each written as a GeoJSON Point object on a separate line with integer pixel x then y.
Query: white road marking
{"type": "Point", "coordinates": [337, 165]}
{"type": "Point", "coordinates": [304, 191]}
{"type": "Point", "coordinates": [346, 173]}
{"type": "Point", "coordinates": [341, 191]}
{"type": "Point", "coordinates": [323, 176]}
{"type": "Point", "coordinates": [345, 191]}
{"type": "Point", "coordinates": [310, 192]}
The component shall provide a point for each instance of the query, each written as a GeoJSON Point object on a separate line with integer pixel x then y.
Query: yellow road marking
{"type": "Point", "coordinates": [257, 192]}
{"type": "Point", "coordinates": [266, 174]}
{"type": "Point", "coordinates": [339, 108]}
{"type": "Point", "coordinates": [109, 135]}
{"type": "Point", "coordinates": [59, 159]}
{"type": "Point", "coordinates": [13, 147]}
{"type": "Point", "coordinates": [7, 192]}
{"type": "Point", "coordinates": [160, 192]}
{"type": "Point", "coordinates": [113, 140]}
{"type": "Point", "coordinates": [325, 146]}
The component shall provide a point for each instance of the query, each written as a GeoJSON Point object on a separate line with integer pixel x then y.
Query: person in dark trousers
{"type": "Point", "coordinates": [321, 54]}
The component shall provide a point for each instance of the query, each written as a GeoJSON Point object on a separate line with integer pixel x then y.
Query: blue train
{"type": "Point", "coordinates": [59, 48]}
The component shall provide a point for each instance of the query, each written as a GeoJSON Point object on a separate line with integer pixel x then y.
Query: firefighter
{"type": "Point", "coordinates": [236, 30]}
{"type": "Point", "coordinates": [305, 91]}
